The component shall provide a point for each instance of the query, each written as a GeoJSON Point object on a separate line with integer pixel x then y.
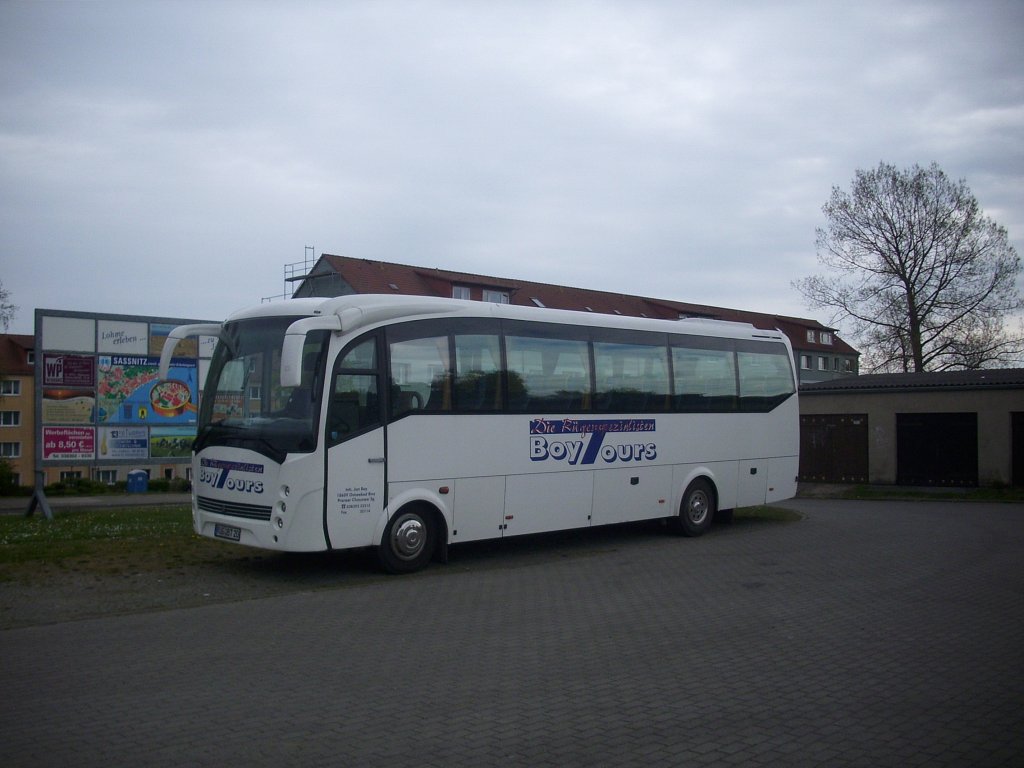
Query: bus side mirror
{"type": "Point", "coordinates": [179, 333]}
{"type": "Point", "coordinates": [295, 342]}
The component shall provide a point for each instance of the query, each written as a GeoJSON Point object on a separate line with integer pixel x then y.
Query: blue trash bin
{"type": "Point", "coordinates": [138, 481]}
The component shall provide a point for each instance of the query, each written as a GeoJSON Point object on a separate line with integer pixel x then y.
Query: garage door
{"type": "Point", "coordinates": [937, 449]}
{"type": "Point", "coordinates": [834, 448]}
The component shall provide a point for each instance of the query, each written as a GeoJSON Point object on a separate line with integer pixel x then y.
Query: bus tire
{"type": "Point", "coordinates": [697, 509]}
{"type": "Point", "coordinates": [408, 541]}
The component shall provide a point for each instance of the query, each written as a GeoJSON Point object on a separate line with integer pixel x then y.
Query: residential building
{"type": "Point", "coordinates": [819, 351]}
{"type": "Point", "coordinates": [17, 405]}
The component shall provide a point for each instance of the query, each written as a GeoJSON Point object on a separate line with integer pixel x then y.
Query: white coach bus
{"type": "Point", "coordinates": [408, 423]}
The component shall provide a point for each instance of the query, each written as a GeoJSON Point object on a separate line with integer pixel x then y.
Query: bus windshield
{"type": "Point", "coordinates": [244, 404]}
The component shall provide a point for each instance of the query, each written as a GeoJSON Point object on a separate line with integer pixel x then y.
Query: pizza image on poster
{"type": "Point", "coordinates": [129, 391]}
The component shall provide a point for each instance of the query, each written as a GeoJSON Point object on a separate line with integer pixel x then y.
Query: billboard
{"type": "Point", "coordinates": [98, 391]}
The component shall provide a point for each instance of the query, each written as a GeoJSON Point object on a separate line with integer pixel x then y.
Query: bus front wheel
{"type": "Point", "coordinates": [408, 541]}
{"type": "Point", "coordinates": [697, 510]}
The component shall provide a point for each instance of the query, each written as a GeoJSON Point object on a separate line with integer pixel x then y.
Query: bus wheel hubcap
{"type": "Point", "coordinates": [408, 537]}
{"type": "Point", "coordinates": [698, 508]}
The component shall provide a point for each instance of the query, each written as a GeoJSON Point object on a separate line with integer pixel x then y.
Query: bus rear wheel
{"type": "Point", "coordinates": [697, 509]}
{"type": "Point", "coordinates": [408, 541]}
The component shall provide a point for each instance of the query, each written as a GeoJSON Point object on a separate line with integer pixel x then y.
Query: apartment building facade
{"type": "Point", "coordinates": [820, 353]}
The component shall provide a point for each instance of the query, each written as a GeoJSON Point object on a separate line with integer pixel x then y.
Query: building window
{"type": "Point", "coordinates": [10, 450]}
{"type": "Point", "coordinates": [460, 292]}
{"type": "Point", "coordinates": [537, 301]}
{"type": "Point", "coordinates": [810, 336]}
{"type": "Point", "coordinates": [805, 362]}
{"type": "Point", "coordinates": [848, 365]}
{"type": "Point", "coordinates": [826, 337]}
{"type": "Point", "coordinates": [822, 363]}
{"type": "Point", "coordinates": [106, 476]}
{"type": "Point", "coordinates": [10, 418]}
{"type": "Point", "coordinates": [495, 297]}
{"type": "Point", "coordinates": [254, 392]}
{"type": "Point", "coordinates": [10, 387]}
{"type": "Point", "coordinates": [835, 364]}
{"type": "Point", "coordinates": [70, 474]}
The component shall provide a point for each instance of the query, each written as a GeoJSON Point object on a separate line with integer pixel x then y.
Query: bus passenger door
{"type": "Point", "coordinates": [355, 448]}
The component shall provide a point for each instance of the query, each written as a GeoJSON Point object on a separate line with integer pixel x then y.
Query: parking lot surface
{"type": "Point", "coordinates": [867, 634]}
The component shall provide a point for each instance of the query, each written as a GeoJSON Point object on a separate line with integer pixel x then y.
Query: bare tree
{"type": "Point", "coordinates": [923, 277]}
{"type": "Point", "coordinates": [7, 309]}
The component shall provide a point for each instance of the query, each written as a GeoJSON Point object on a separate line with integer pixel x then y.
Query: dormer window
{"type": "Point", "coordinates": [495, 297]}
{"type": "Point", "coordinates": [826, 337]}
{"type": "Point", "coordinates": [460, 292]}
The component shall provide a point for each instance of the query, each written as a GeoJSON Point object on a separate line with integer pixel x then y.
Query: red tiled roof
{"type": "Point", "coordinates": [14, 350]}
{"type": "Point", "coordinates": [366, 276]}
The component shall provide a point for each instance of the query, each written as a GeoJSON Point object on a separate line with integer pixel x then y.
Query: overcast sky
{"type": "Point", "coordinates": [168, 158]}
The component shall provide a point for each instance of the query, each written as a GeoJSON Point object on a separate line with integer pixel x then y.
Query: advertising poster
{"type": "Point", "coordinates": [124, 443]}
{"type": "Point", "coordinates": [158, 335]}
{"type": "Point", "coordinates": [69, 443]}
{"type": "Point", "coordinates": [69, 371]}
{"type": "Point", "coordinates": [206, 346]}
{"type": "Point", "coordinates": [69, 333]}
{"type": "Point", "coordinates": [129, 391]}
{"type": "Point", "coordinates": [171, 442]}
{"type": "Point", "coordinates": [69, 406]}
{"type": "Point", "coordinates": [122, 337]}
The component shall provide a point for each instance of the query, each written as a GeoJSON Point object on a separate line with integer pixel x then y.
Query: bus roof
{"type": "Point", "coordinates": [363, 310]}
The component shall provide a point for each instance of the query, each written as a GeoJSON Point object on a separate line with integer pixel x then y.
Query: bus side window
{"type": "Point", "coordinates": [478, 372]}
{"type": "Point", "coordinates": [547, 374]}
{"type": "Point", "coordinates": [355, 403]}
{"type": "Point", "coordinates": [631, 377]}
{"type": "Point", "coordinates": [420, 379]}
{"type": "Point", "coordinates": [766, 378]}
{"type": "Point", "coordinates": [705, 380]}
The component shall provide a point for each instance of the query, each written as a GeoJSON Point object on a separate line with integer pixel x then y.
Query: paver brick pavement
{"type": "Point", "coordinates": [868, 634]}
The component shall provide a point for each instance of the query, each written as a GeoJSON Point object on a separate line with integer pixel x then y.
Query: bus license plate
{"type": "Point", "coordinates": [229, 532]}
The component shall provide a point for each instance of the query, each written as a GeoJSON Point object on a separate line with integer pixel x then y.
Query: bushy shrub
{"type": "Point", "coordinates": [79, 486]}
{"type": "Point", "coordinates": [8, 487]}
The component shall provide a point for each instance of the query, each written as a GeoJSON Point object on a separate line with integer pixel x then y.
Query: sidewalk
{"type": "Point", "coordinates": [19, 504]}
